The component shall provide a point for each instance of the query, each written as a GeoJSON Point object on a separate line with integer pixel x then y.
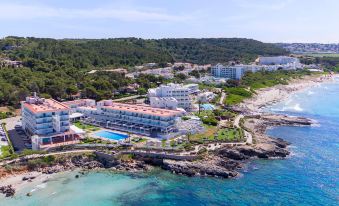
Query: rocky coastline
{"type": "Point", "coordinates": [225, 162]}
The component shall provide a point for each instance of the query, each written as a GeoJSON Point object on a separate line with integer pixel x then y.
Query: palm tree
{"type": "Point", "coordinates": [199, 106]}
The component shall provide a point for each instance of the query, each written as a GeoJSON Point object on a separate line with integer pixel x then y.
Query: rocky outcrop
{"type": "Point", "coordinates": [8, 190]}
{"type": "Point", "coordinates": [197, 169]}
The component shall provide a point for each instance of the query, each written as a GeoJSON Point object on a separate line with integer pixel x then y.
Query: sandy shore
{"type": "Point", "coordinates": [18, 183]}
{"type": "Point", "coordinates": [272, 95]}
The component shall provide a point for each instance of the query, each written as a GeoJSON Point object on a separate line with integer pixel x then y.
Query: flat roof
{"type": "Point", "coordinates": [49, 105]}
{"type": "Point", "coordinates": [77, 101]}
{"type": "Point", "coordinates": [143, 109]}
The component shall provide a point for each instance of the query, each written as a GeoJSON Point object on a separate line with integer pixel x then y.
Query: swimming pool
{"type": "Point", "coordinates": [208, 107]}
{"type": "Point", "coordinates": [111, 135]}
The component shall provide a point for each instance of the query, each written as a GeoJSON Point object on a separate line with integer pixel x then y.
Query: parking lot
{"type": "Point", "coordinates": [18, 137]}
{"type": "Point", "coordinates": [3, 138]}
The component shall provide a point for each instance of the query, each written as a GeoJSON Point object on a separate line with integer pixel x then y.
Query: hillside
{"type": "Point", "coordinates": [58, 68]}
{"type": "Point", "coordinates": [37, 52]}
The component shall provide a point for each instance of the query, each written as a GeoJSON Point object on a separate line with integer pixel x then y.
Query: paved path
{"type": "Point", "coordinates": [223, 95]}
{"type": "Point", "coordinates": [248, 136]}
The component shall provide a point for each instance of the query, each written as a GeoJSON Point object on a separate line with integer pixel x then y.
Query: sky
{"type": "Point", "coordinates": [264, 20]}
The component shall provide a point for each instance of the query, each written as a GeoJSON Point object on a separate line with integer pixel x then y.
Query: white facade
{"type": "Point", "coordinates": [206, 97]}
{"type": "Point", "coordinates": [277, 60]}
{"type": "Point", "coordinates": [138, 119]}
{"type": "Point", "coordinates": [47, 120]}
{"type": "Point", "coordinates": [164, 102]}
{"type": "Point", "coordinates": [228, 72]}
{"type": "Point", "coordinates": [177, 91]}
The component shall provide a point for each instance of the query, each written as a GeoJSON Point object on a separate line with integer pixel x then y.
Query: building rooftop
{"type": "Point", "coordinates": [45, 105]}
{"type": "Point", "coordinates": [144, 109]}
{"type": "Point", "coordinates": [77, 102]}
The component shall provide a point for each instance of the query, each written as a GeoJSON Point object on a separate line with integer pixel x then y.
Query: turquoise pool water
{"type": "Point", "coordinates": [110, 135]}
{"type": "Point", "coordinates": [208, 107]}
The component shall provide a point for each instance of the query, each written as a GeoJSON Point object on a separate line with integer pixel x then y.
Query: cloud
{"type": "Point", "coordinates": [263, 4]}
{"type": "Point", "coordinates": [21, 12]}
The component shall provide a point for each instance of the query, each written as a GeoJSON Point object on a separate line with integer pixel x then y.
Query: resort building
{"type": "Point", "coordinates": [75, 104]}
{"type": "Point", "coordinates": [47, 122]}
{"type": "Point", "coordinates": [206, 97]}
{"type": "Point", "coordinates": [137, 119]}
{"type": "Point", "coordinates": [178, 91]}
{"type": "Point", "coordinates": [228, 72]}
{"type": "Point", "coordinates": [277, 60]}
{"type": "Point", "coordinates": [164, 102]}
{"type": "Point", "coordinates": [282, 62]}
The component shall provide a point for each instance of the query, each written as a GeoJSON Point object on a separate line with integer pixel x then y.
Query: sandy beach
{"type": "Point", "coordinates": [18, 183]}
{"type": "Point", "coordinates": [272, 95]}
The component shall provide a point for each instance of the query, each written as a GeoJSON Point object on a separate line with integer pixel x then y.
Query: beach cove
{"type": "Point", "coordinates": [308, 177]}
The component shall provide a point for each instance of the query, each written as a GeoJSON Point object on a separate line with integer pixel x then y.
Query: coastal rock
{"type": "Point", "coordinates": [232, 154]}
{"type": "Point", "coordinates": [197, 168]}
{"type": "Point", "coordinates": [25, 178]}
{"type": "Point", "coordinates": [8, 190]}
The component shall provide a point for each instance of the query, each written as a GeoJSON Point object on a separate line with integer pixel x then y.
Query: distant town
{"type": "Point", "coordinates": [309, 48]}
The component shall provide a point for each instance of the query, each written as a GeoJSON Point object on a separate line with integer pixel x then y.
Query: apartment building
{"type": "Point", "coordinates": [47, 122]}
{"type": "Point", "coordinates": [178, 91]}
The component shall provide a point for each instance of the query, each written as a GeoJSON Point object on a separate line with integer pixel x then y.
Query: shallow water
{"type": "Point", "coordinates": [310, 176]}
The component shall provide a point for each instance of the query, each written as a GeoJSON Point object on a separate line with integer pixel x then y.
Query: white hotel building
{"type": "Point", "coordinates": [229, 72]}
{"type": "Point", "coordinates": [47, 122]}
{"type": "Point", "coordinates": [264, 64]}
{"type": "Point", "coordinates": [137, 119]}
{"type": "Point", "coordinates": [178, 91]}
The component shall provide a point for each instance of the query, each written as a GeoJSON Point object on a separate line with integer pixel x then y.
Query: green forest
{"type": "Point", "coordinates": [58, 68]}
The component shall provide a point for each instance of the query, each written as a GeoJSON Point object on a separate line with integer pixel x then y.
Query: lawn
{"type": "Point", "coordinates": [207, 135]}
{"type": "Point", "coordinates": [87, 127]}
{"type": "Point", "coordinates": [230, 135]}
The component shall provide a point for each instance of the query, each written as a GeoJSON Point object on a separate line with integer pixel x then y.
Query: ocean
{"type": "Point", "coordinates": [310, 176]}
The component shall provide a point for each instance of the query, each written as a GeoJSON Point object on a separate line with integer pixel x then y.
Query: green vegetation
{"type": "Point", "coordinates": [236, 95]}
{"type": "Point", "coordinates": [253, 81]}
{"type": "Point", "coordinates": [86, 127]}
{"type": "Point", "coordinates": [208, 135]}
{"type": "Point", "coordinates": [58, 68]}
{"type": "Point", "coordinates": [91, 140]}
{"type": "Point", "coordinates": [4, 115]}
{"type": "Point", "coordinates": [5, 151]}
{"type": "Point", "coordinates": [208, 118]}
{"type": "Point", "coordinates": [322, 54]}
{"type": "Point", "coordinates": [230, 135]}
{"type": "Point", "coordinates": [41, 162]}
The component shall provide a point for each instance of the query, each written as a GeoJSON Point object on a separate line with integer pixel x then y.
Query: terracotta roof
{"type": "Point", "coordinates": [76, 102]}
{"type": "Point", "coordinates": [49, 105]}
{"type": "Point", "coordinates": [144, 109]}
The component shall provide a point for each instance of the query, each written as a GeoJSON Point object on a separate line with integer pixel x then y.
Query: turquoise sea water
{"type": "Point", "coordinates": [310, 176]}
